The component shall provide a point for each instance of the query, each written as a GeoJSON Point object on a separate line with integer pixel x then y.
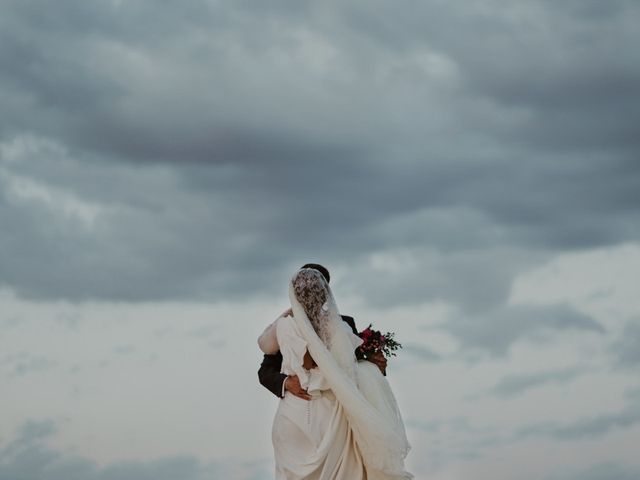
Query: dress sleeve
{"type": "Point", "coordinates": [267, 341]}
{"type": "Point", "coordinates": [293, 347]}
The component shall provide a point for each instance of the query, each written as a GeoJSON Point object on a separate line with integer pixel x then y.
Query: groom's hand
{"type": "Point", "coordinates": [292, 384]}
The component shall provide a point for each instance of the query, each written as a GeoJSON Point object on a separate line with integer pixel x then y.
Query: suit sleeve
{"type": "Point", "coordinates": [352, 323]}
{"type": "Point", "coordinates": [269, 374]}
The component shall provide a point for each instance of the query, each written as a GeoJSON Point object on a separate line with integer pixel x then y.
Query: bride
{"type": "Point", "coordinates": [351, 429]}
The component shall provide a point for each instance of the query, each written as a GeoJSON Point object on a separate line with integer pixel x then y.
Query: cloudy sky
{"type": "Point", "coordinates": [468, 171]}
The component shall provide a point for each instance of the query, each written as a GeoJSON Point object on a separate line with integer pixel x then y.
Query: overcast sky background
{"type": "Point", "coordinates": [468, 171]}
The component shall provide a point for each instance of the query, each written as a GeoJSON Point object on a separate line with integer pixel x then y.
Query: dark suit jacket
{"type": "Point", "coordinates": [269, 372]}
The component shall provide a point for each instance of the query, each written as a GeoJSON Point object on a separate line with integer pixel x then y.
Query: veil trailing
{"type": "Point", "coordinates": [363, 392]}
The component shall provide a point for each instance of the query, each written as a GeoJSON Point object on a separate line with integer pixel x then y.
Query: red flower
{"type": "Point", "coordinates": [375, 341]}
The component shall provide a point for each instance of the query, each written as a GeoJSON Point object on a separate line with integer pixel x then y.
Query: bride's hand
{"type": "Point", "coordinates": [380, 361]}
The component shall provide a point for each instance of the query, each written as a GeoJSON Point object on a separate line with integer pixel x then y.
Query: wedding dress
{"type": "Point", "coordinates": [351, 429]}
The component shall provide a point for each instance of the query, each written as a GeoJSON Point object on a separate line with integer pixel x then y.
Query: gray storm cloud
{"type": "Point", "coordinates": [221, 144]}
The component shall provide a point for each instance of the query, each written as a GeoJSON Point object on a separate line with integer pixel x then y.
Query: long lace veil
{"type": "Point", "coordinates": [381, 438]}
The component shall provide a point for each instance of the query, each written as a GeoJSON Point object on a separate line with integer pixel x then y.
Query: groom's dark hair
{"type": "Point", "coordinates": [320, 268]}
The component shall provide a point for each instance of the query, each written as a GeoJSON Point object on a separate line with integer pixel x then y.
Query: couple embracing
{"type": "Point", "coordinates": [337, 418]}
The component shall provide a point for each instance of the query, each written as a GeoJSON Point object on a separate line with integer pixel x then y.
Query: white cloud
{"type": "Point", "coordinates": [602, 282]}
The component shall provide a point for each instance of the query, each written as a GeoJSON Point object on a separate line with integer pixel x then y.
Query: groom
{"type": "Point", "coordinates": [269, 372]}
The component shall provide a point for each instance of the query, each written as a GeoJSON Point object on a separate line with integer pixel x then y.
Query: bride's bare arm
{"type": "Point", "coordinates": [308, 362]}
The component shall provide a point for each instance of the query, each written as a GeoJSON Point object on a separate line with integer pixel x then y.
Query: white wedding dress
{"type": "Point", "coordinates": [312, 439]}
{"type": "Point", "coordinates": [352, 428]}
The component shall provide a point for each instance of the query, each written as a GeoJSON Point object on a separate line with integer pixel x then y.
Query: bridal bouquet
{"type": "Point", "coordinates": [375, 341]}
